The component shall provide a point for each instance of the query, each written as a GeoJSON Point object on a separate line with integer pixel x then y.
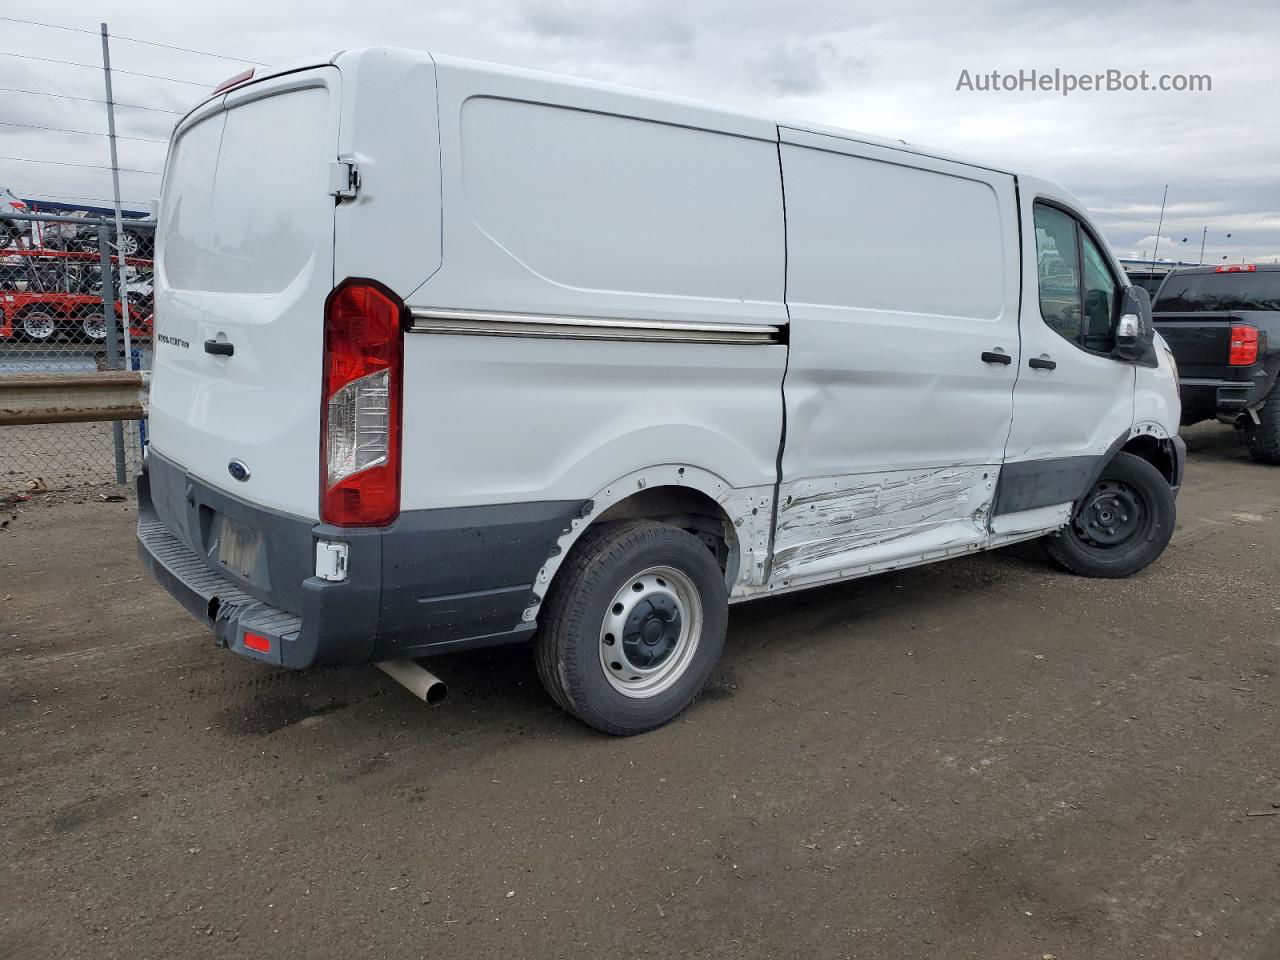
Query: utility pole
{"type": "Point", "coordinates": [1159, 226]}
{"type": "Point", "coordinates": [115, 183]}
{"type": "Point", "coordinates": [1203, 234]}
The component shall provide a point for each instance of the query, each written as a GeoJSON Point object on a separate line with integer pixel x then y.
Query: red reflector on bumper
{"type": "Point", "coordinates": [256, 641]}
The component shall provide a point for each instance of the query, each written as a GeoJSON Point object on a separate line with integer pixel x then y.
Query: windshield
{"type": "Point", "coordinates": [1221, 291]}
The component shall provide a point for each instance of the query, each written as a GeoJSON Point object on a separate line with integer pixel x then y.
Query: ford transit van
{"type": "Point", "coordinates": [451, 355]}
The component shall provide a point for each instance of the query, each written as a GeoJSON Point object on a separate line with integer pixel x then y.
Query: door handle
{"type": "Point", "coordinates": [990, 356]}
{"type": "Point", "coordinates": [1039, 363]}
{"type": "Point", "coordinates": [219, 348]}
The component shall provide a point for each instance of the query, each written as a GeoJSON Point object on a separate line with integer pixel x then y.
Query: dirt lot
{"type": "Point", "coordinates": [985, 758]}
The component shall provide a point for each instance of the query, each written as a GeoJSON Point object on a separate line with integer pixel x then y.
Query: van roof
{"type": "Point", "coordinates": [469, 64]}
{"type": "Point", "coordinates": [675, 100]}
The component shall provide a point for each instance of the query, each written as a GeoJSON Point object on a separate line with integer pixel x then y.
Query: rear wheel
{"type": "Point", "coordinates": [633, 625]}
{"type": "Point", "coordinates": [1263, 438]}
{"type": "Point", "coordinates": [38, 325]}
{"type": "Point", "coordinates": [1123, 524]}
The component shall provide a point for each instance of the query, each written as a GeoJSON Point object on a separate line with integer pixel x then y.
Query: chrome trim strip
{"type": "Point", "coordinates": [483, 324]}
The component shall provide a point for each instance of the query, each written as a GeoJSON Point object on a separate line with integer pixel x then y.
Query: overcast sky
{"type": "Point", "coordinates": [885, 68]}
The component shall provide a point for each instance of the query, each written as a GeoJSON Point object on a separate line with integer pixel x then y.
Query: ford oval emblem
{"type": "Point", "coordinates": [239, 470]}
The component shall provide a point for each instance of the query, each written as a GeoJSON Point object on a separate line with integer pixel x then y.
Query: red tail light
{"type": "Point", "coordinates": [1244, 345]}
{"type": "Point", "coordinates": [360, 417]}
{"type": "Point", "coordinates": [1236, 268]}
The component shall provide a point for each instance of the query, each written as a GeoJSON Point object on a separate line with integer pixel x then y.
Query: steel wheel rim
{"type": "Point", "coordinates": [1114, 514]}
{"type": "Point", "coordinates": [39, 326]}
{"type": "Point", "coordinates": [94, 327]}
{"type": "Point", "coordinates": [650, 632]}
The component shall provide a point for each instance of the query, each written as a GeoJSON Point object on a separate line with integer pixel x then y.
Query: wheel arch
{"type": "Point", "coordinates": [688, 497]}
{"type": "Point", "coordinates": [1156, 445]}
{"type": "Point", "coordinates": [1158, 453]}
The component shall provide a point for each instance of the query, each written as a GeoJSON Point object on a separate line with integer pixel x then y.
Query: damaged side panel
{"type": "Point", "coordinates": [833, 527]}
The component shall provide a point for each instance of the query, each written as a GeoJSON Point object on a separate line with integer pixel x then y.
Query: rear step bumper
{"type": "Point", "coordinates": [434, 581]}
{"type": "Point", "coordinates": [331, 628]}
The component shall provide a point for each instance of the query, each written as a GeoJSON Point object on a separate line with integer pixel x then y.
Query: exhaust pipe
{"type": "Point", "coordinates": [418, 680]}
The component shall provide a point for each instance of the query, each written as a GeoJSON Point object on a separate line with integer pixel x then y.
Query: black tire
{"type": "Point", "coordinates": [1263, 438]}
{"type": "Point", "coordinates": [1145, 513]}
{"type": "Point", "coordinates": [571, 639]}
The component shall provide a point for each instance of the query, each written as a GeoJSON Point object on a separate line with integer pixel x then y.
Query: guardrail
{"type": "Point", "coordinates": [74, 398]}
{"type": "Point", "coordinates": [56, 325]}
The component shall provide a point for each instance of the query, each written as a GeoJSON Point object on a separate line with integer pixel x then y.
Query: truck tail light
{"type": "Point", "coordinates": [1236, 268]}
{"type": "Point", "coordinates": [1244, 345]}
{"type": "Point", "coordinates": [360, 416]}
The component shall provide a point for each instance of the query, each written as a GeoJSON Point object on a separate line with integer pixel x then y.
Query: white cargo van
{"type": "Point", "coordinates": [451, 355]}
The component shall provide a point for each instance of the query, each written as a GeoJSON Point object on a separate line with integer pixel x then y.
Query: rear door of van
{"type": "Point", "coordinates": [245, 260]}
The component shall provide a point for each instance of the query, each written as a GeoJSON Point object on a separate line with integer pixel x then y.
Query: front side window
{"type": "Point", "coordinates": [1079, 296]}
{"type": "Point", "coordinates": [1101, 299]}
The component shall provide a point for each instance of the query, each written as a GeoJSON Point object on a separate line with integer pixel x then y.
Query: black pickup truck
{"type": "Point", "coordinates": [1223, 326]}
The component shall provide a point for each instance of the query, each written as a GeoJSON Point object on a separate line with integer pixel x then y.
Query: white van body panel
{"type": "Point", "coordinates": [1157, 405]}
{"type": "Point", "coordinates": [575, 202]}
{"type": "Point", "coordinates": [245, 255]}
{"type": "Point", "coordinates": [895, 426]}
{"type": "Point", "coordinates": [486, 428]}
{"type": "Point", "coordinates": [576, 199]}
{"type": "Point", "coordinates": [1080, 408]}
{"type": "Point", "coordinates": [390, 131]}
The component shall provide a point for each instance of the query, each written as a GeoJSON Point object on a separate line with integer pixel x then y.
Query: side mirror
{"type": "Point", "coordinates": [1136, 331]}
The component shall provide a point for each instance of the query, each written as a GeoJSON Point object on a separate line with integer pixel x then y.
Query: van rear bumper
{"type": "Point", "coordinates": [330, 623]}
{"type": "Point", "coordinates": [434, 581]}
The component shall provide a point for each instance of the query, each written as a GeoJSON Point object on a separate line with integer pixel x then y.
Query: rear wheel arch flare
{"type": "Point", "coordinates": [687, 496]}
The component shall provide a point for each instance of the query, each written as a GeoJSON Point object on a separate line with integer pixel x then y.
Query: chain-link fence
{"type": "Point", "coordinates": [53, 322]}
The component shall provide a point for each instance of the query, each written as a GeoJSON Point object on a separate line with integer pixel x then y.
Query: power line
{"type": "Point", "coordinates": [83, 133]}
{"type": "Point", "coordinates": [87, 166]}
{"type": "Point", "coordinates": [97, 66]}
{"type": "Point", "coordinates": [67, 96]}
{"type": "Point", "coordinates": [149, 43]}
{"type": "Point", "coordinates": [79, 196]}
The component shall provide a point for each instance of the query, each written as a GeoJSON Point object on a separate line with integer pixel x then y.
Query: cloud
{"type": "Point", "coordinates": [886, 70]}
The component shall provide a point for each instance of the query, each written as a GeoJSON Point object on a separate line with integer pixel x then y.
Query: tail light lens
{"type": "Point", "coordinates": [360, 435]}
{"type": "Point", "coordinates": [1244, 345]}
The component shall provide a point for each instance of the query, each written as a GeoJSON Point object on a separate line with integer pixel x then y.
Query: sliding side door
{"type": "Point", "coordinates": [902, 286]}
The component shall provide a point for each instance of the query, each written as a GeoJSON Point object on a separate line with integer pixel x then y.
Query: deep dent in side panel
{"type": "Point", "coordinates": [824, 524]}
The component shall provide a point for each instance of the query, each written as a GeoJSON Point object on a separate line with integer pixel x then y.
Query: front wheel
{"type": "Point", "coordinates": [1122, 525]}
{"type": "Point", "coordinates": [633, 626]}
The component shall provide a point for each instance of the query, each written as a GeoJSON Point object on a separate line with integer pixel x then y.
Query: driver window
{"type": "Point", "coordinates": [1079, 296]}
{"type": "Point", "coordinates": [1058, 259]}
{"type": "Point", "coordinates": [1101, 300]}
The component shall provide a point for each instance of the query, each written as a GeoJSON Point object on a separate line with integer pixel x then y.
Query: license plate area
{"type": "Point", "coordinates": [239, 547]}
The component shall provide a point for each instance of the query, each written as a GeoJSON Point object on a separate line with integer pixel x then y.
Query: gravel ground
{"type": "Point", "coordinates": [983, 758]}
